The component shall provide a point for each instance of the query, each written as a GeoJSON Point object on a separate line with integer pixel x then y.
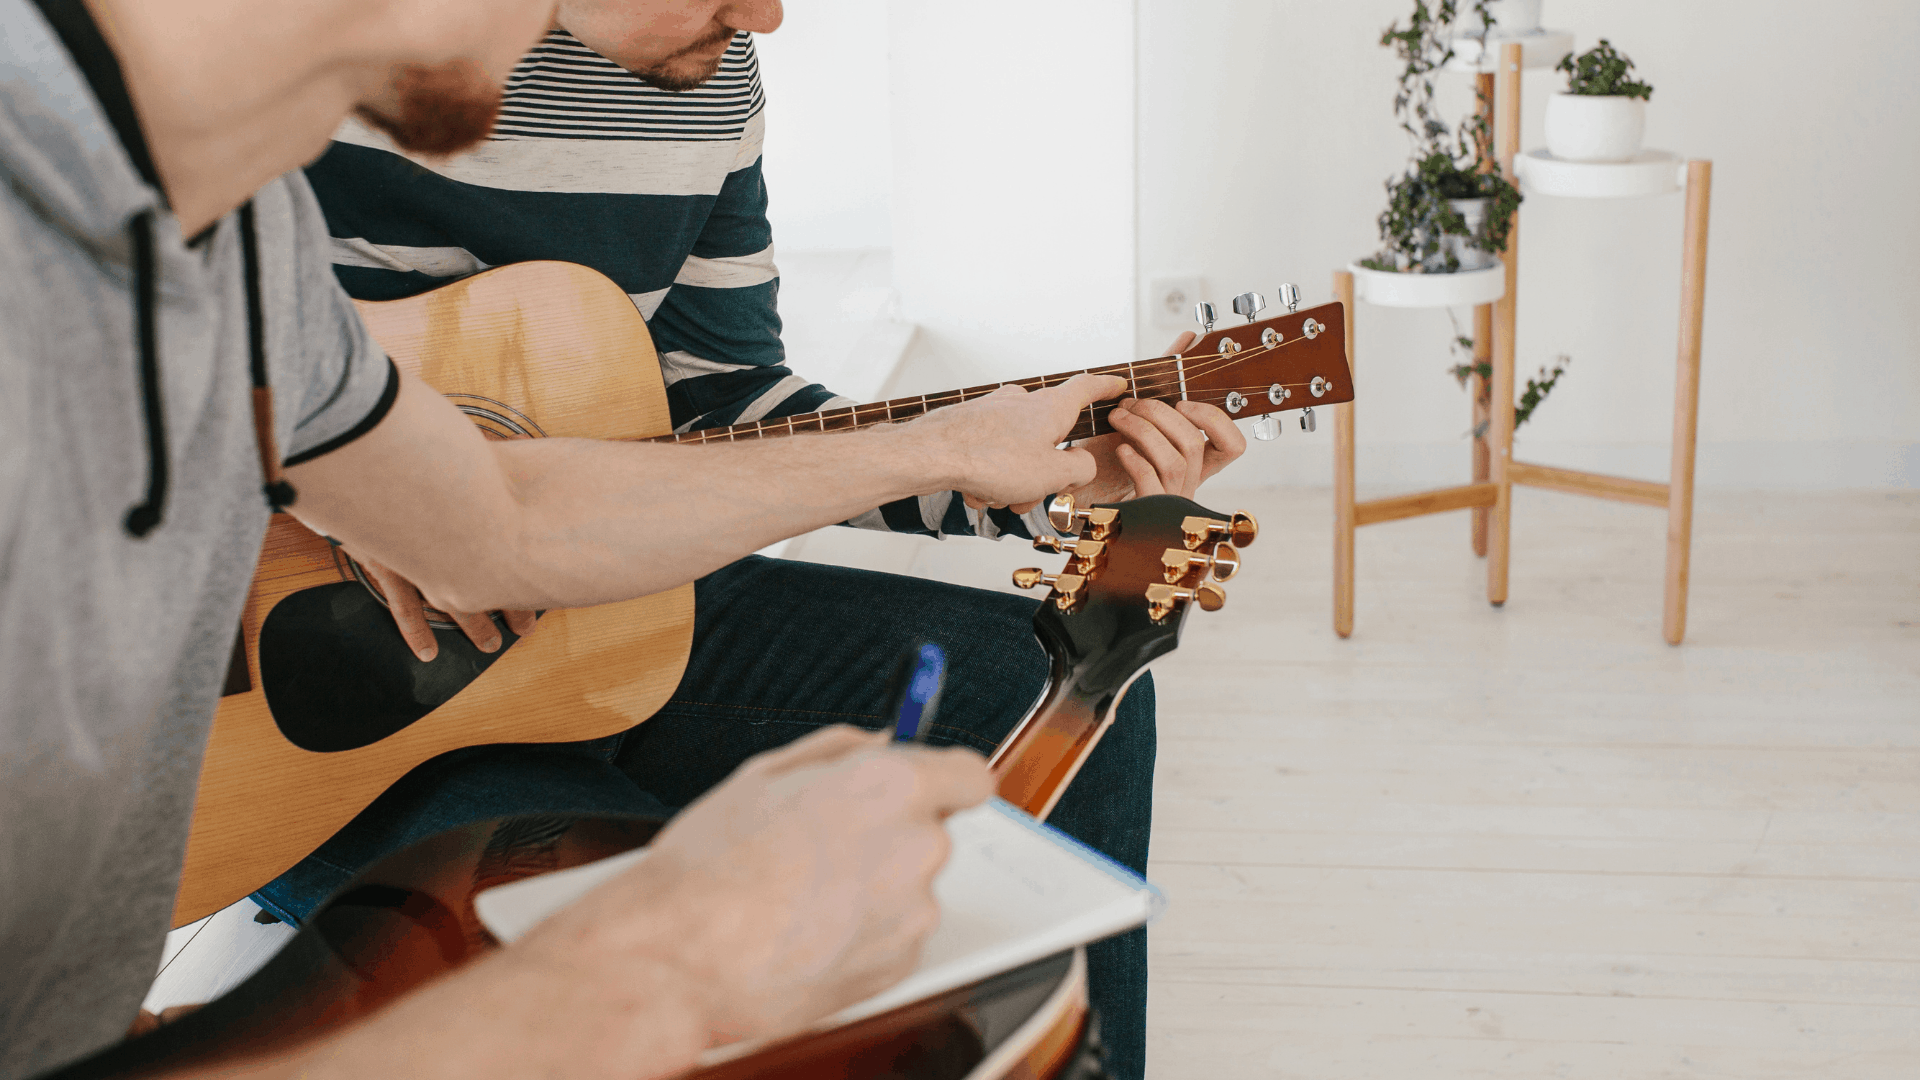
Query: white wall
{"type": "Point", "coordinates": [829, 150]}
{"type": "Point", "coordinates": [1013, 216]}
{"type": "Point", "coordinates": [1265, 132]}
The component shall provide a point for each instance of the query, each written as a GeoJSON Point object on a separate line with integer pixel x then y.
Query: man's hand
{"type": "Point", "coordinates": [801, 885]}
{"type": "Point", "coordinates": [409, 614]}
{"type": "Point", "coordinates": [1006, 444]}
{"type": "Point", "coordinates": [1158, 448]}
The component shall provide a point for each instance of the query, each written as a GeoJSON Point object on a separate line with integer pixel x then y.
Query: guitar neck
{"type": "Point", "coordinates": [1034, 764]}
{"type": "Point", "coordinates": [1164, 377]}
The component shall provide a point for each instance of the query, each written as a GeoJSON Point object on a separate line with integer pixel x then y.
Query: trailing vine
{"type": "Point", "coordinates": [1536, 391]}
{"type": "Point", "coordinates": [1445, 164]}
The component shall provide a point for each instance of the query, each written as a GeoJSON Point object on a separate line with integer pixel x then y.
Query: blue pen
{"type": "Point", "coordinates": [916, 692]}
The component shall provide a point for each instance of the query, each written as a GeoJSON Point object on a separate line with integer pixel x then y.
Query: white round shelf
{"type": "Point", "coordinates": [1538, 49]}
{"type": "Point", "coordinates": [1650, 172]}
{"type": "Point", "coordinates": [1388, 289]}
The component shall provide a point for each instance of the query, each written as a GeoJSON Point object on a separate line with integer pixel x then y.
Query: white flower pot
{"type": "Point", "coordinates": [1471, 258]}
{"type": "Point", "coordinates": [1511, 18]}
{"type": "Point", "coordinates": [1588, 127]}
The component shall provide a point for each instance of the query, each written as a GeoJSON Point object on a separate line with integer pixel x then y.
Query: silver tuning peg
{"type": "Point", "coordinates": [1306, 420]}
{"type": "Point", "coordinates": [1266, 428]}
{"type": "Point", "coordinates": [1203, 314]}
{"type": "Point", "coordinates": [1288, 297]}
{"type": "Point", "coordinates": [1248, 304]}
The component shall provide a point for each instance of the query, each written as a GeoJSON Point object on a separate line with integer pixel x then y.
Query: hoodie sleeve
{"type": "Point", "coordinates": [345, 385]}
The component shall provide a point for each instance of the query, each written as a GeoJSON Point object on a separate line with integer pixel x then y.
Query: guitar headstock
{"type": "Point", "coordinates": [1134, 570]}
{"type": "Point", "coordinates": [1293, 361]}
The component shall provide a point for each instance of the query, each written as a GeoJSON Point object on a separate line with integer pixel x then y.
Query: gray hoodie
{"type": "Point", "coordinates": [112, 644]}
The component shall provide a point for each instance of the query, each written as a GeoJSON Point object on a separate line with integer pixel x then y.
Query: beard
{"type": "Point", "coordinates": [443, 109]}
{"type": "Point", "coordinates": [690, 67]}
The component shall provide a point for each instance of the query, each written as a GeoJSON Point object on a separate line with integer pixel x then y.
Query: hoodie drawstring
{"type": "Point", "coordinates": [143, 518]}
{"type": "Point", "coordinates": [273, 483]}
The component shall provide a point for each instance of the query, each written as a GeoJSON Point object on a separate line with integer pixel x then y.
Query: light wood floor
{"type": "Point", "coordinates": [1533, 842]}
{"type": "Point", "coordinates": [1538, 842]}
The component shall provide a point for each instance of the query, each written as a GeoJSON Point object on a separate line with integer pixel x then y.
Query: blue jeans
{"type": "Point", "coordinates": [781, 649]}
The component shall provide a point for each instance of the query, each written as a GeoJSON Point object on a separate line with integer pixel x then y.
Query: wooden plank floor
{"type": "Point", "coordinates": [1538, 841]}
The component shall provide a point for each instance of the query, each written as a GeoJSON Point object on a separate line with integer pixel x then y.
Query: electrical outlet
{"type": "Point", "coordinates": [1171, 300]}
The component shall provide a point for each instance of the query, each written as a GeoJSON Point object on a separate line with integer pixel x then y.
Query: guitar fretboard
{"type": "Point", "coordinates": [1164, 377]}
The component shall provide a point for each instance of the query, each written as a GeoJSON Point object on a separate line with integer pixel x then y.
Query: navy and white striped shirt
{"type": "Point", "coordinates": [659, 191]}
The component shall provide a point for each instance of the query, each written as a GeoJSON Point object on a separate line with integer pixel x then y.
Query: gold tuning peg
{"type": "Point", "coordinates": [1162, 599]}
{"type": "Point", "coordinates": [1068, 589]}
{"type": "Point", "coordinates": [1241, 529]}
{"type": "Point", "coordinates": [1223, 560]}
{"type": "Point", "coordinates": [1064, 517]}
{"type": "Point", "coordinates": [1081, 548]}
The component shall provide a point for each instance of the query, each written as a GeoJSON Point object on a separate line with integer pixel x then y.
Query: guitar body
{"type": "Point", "coordinates": [410, 918]}
{"type": "Point", "coordinates": [1134, 572]}
{"type": "Point", "coordinates": [334, 708]}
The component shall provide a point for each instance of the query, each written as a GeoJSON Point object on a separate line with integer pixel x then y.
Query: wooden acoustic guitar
{"type": "Point", "coordinates": [1134, 571]}
{"type": "Point", "coordinates": [326, 707]}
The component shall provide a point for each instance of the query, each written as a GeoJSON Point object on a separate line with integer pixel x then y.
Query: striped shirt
{"type": "Point", "coordinates": [660, 191]}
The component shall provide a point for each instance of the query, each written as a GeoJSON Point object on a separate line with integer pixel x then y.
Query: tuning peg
{"type": "Point", "coordinates": [1288, 297]}
{"type": "Point", "coordinates": [1083, 548]}
{"type": "Point", "coordinates": [1062, 515]}
{"type": "Point", "coordinates": [1241, 529]}
{"type": "Point", "coordinates": [1203, 314]}
{"type": "Point", "coordinates": [1067, 588]}
{"type": "Point", "coordinates": [1248, 304]}
{"type": "Point", "coordinates": [1162, 599]}
{"type": "Point", "coordinates": [1266, 428]}
{"type": "Point", "coordinates": [1223, 561]}
{"type": "Point", "coordinates": [1306, 419]}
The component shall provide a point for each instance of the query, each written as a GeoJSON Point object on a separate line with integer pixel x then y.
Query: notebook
{"type": "Point", "coordinates": [1013, 891]}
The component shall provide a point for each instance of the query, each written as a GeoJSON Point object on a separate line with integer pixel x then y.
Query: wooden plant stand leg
{"type": "Point", "coordinates": [1686, 399]}
{"type": "Point", "coordinates": [1506, 134]}
{"type": "Point", "coordinates": [1343, 517]}
{"type": "Point", "coordinates": [1482, 354]}
{"type": "Point", "coordinates": [1477, 386]}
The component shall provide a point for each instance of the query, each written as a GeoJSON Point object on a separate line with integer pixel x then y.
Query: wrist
{"type": "Point", "coordinates": [922, 461]}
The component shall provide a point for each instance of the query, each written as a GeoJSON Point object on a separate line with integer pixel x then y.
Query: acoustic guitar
{"type": "Point", "coordinates": [325, 707]}
{"type": "Point", "coordinates": [1134, 571]}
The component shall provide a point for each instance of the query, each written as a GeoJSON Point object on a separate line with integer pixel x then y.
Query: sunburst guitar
{"type": "Point", "coordinates": [325, 706]}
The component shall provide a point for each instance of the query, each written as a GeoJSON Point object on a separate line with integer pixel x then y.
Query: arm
{"type": "Point", "coordinates": [569, 522]}
{"type": "Point", "coordinates": [800, 885]}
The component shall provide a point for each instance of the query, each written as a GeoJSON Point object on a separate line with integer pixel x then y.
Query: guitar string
{"type": "Point", "coordinates": [1204, 364]}
{"type": "Point", "coordinates": [1198, 366]}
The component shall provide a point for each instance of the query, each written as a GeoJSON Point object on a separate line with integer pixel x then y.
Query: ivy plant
{"type": "Point", "coordinates": [1536, 391]}
{"type": "Point", "coordinates": [1445, 163]}
{"type": "Point", "coordinates": [1602, 72]}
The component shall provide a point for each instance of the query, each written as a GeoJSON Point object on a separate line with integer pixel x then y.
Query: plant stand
{"type": "Point", "coordinates": [1490, 495]}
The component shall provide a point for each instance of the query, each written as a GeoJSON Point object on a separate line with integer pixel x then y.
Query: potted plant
{"type": "Point", "coordinates": [1602, 114]}
{"type": "Point", "coordinates": [1450, 212]}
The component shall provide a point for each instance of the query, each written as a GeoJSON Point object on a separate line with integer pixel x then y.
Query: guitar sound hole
{"type": "Point", "coordinates": [338, 676]}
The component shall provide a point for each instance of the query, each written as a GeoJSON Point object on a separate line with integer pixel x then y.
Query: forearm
{"type": "Point", "coordinates": [568, 522]}
{"type": "Point", "coordinates": [605, 523]}
{"type": "Point", "coordinates": [504, 1018]}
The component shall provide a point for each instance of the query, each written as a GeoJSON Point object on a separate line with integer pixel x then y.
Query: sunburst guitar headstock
{"type": "Point", "coordinates": [1133, 571]}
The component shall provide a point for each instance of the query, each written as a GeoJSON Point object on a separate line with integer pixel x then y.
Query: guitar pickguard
{"type": "Point", "coordinates": [338, 676]}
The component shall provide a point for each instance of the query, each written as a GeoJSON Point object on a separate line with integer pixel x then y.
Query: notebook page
{"type": "Point", "coordinates": [1012, 892]}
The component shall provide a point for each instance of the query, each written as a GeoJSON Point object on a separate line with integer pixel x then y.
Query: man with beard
{"type": "Point", "coordinates": [629, 141]}
{"type": "Point", "coordinates": [178, 358]}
